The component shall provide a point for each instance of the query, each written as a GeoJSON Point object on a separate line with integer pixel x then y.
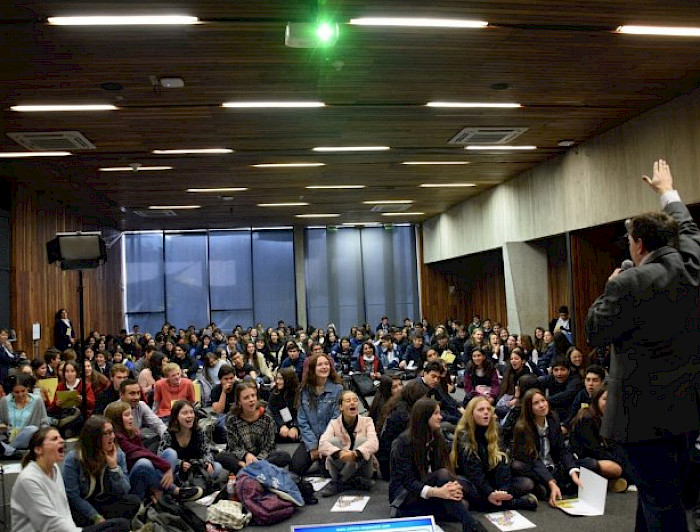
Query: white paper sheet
{"type": "Point", "coordinates": [318, 483]}
{"type": "Point", "coordinates": [350, 503]}
{"type": "Point", "coordinates": [591, 496]}
{"type": "Point", "coordinates": [509, 520]}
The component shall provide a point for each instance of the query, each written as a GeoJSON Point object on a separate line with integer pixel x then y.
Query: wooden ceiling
{"type": "Point", "coordinates": [561, 60]}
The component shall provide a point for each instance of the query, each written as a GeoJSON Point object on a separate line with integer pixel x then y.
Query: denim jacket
{"type": "Point", "coordinates": [313, 420]}
{"type": "Point", "coordinates": [80, 485]}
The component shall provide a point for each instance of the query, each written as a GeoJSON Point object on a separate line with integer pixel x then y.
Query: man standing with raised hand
{"type": "Point", "coordinates": [651, 315]}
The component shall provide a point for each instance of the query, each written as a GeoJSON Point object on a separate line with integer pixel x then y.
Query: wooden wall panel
{"type": "Point", "coordinates": [558, 288]}
{"type": "Point", "coordinates": [460, 288]}
{"type": "Point", "coordinates": [39, 289]}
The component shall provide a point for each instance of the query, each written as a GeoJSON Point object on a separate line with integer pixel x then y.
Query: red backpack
{"type": "Point", "coordinates": [266, 507]}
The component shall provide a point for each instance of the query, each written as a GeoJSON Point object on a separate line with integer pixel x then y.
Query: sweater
{"type": "Point", "coordinates": [165, 394]}
{"type": "Point", "coordinates": [37, 417]}
{"type": "Point", "coordinates": [39, 502]}
{"type": "Point", "coordinates": [135, 450]}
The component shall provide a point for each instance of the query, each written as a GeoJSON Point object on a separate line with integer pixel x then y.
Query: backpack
{"type": "Point", "coordinates": [151, 520]}
{"type": "Point", "coordinates": [266, 507]}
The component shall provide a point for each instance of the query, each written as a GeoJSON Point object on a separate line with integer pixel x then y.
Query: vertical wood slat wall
{"type": "Point", "coordinates": [39, 289]}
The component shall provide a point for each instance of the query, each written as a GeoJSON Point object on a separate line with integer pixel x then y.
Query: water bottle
{"type": "Point", "coordinates": [231, 486]}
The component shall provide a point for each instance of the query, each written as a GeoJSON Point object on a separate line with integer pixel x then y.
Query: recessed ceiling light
{"type": "Point", "coordinates": [13, 154]}
{"type": "Point", "coordinates": [173, 207]}
{"type": "Point", "coordinates": [402, 213]}
{"type": "Point", "coordinates": [288, 165]}
{"type": "Point", "coordinates": [138, 20]}
{"type": "Point", "coordinates": [321, 187]}
{"type": "Point", "coordinates": [498, 147]}
{"type": "Point", "coordinates": [193, 151]}
{"type": "Point", "coordinates": [50, 108]}
{"type": "Point", "coordinates": [474, 105]}
{"type": "Point", "coordinates": [447, 185]}
{"type": "Point", "coordinates": [660, 30]}
{"type": "Point", "coordinates": [351, 148]}
{"type": "Point", "coordinates": [214, 190]}
{"type": "Point", "coordinates": [327, 215]}
{"type": "Point", "coordinates": [566, 143]}
{"type": "Point", "coordinates": [434, 162]}
{"type": "Point", "coordinates": [290, 204]}
{"type": "Point", "coordinates": [134, 168]}
{"type": "Point", "coordinates": [418, 22]}
{"type": "Point", "coordinates": [387, 202]}
{"type": "Point", "coordinates": [268, 105]}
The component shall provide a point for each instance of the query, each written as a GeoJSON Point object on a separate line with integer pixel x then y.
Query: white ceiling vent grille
{"type": "Point", "coordinates": [391, 207]}
{"type": "Point", "coordinates": [487, 135]}
{"type": "Point", "coordinates": [52, 140]}
{"type": "Point", "coordinates": [155, 213]}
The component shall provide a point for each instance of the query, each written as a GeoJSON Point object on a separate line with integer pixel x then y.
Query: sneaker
{"type": "Point", "coordinates": [190, 493]}
{"type": "Point", "coordinates": [618, 485]}
{"type": "Point", "coordinates": [329, 489]}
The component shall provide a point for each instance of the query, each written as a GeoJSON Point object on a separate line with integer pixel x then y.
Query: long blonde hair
{"type": "Point", "coordinates": [465, 436]}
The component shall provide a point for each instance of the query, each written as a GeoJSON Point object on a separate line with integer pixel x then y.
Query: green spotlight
{"type": "Point", "coordinates": [327, 32]}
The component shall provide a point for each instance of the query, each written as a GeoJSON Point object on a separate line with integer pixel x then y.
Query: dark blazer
{"type": "Point", "coordinates": [61, 339]}
{"type": "Point", "coordinates": [650, 315]}
{"type": "Point", "coordinates": [403, 476]}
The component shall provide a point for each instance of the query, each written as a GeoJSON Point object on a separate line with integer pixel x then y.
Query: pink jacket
{"type": "Point", "coordinates": [335, 429]}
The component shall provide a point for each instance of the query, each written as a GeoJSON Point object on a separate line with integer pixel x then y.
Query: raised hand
{"type": "Point", "coordinates": [661, 180]}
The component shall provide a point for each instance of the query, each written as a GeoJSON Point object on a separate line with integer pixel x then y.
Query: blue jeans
{"type": "Point", "coordinates": [220, 429]}
{"type": "Point", "coordinates": [21, 441]}
{"type": "Point", "coordinates": [144, 476]}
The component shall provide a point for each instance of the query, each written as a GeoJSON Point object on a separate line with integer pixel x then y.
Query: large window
{"type": "Point", "coordinates": [228, 277]}
{"type": "Point", "coordinates": [358, 275]}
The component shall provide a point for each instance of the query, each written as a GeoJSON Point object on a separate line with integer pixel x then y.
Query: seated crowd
{"type": "Point", "coordinates": [151, 413]}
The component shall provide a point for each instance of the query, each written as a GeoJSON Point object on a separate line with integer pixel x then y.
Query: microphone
{"type": "Point", "coordinates": [626, 265]}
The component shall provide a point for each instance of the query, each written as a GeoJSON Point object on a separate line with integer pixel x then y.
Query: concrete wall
{"type": "Point", "coordinates": [594, 183]}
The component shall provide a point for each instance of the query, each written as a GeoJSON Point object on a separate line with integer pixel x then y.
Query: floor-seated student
{"type": "Point", "coordinates": [171, 387]}
{"type": "Point", "coordinates": [39, 500]}
{"type": "Point", "coordinates": [250, 432]}
{"type": "Point", "coordinates": [594, 378]}
{"type": "Point", "coordinates": [256, 359]}
{"type": "Point", "coordinates": [151, 374]}
{"type": "Point", "coordinates": [349, 444]}
{"type": "Point", "coordinates": [117, 375]}
{"type": "Point", "coordinates": [96, 478]}
{"type": "Point", "coordinates": [389, 353]}
{"type": "Point", "coordinates": [343, 356]}
{"type": "Point", "coordinates": [317, 406]}
{"type": "Point", "coordinates": [515, 369]}
{"type": "Point", "coordinates": [242, 370]}
{"type": "Point", "coordinates": [284, 403]}
{"type": "Point", "coordinates": [190, 443]}
{"type": "Point", "coordinates": [422, 482]}
{"type": "Point", "coordinates": [560, 387]}
{"type": "Point", "coordinates": [21, 415]}
{"type": "Point", "coordinates": [525, 382]}
{"type": "Point", "coordinates": [223, 396]}
{"type": "Point", "coordinates": [211, 366]}
{"type": "Point", "coordinates": [368, 362]}
{"type": "Point", "coordinates": [578, 361]}
{"type": "Point", "coordinates": [484, 472]}
{"type": "Point", "coordinates": [480, 378]}
{"type": "Point", "coordinates": [149, 473]}
{"type": "Point", "coordinates": [433, 373]}
{"type": "Point", "coordinates": [415, 352]}
{"type": "Point", "coordinates": [394, 420]}
{"type": "Point", "coordinates": [97, 380]}
{"type": "Point", "coordinates": [150, 426]}
{"type": "Point", "coordinates": [388, 387]}
{"type": "Point", "coordinates": [539, 452]}
{"type": "Point", "coordinates": [592, 450]}
{"type": "Point", "coordinates": [71, 418]}
{"type": "Point", "coordinates": [292, 358]}
{"type": "Point", "coordinates": [187, 363]}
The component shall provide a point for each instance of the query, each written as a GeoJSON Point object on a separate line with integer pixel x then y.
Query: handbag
{"type": "Point", "coordinates": [364, 385]}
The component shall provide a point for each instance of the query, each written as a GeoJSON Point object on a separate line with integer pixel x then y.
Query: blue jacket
{"type": "Point", "coordinates": [275, 479]}
{"type": "Point", "coordinates": [79, 483]}
{"type": "Point", "coordinates": [297, 364]}
{"type": "Point", "coordinates": [313, 419]}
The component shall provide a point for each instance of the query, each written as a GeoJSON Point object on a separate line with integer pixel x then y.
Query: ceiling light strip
{"type": "Point", "coordinates": [475, 105]}
{"type": "Point", "coordinates": [272, 104]}
{"type": "Point", "coordinates": [57, 107]}
{"type": "Point", "coordinates": [497, 147]}
{"type": "Point", "coordinates": [323, 187]}
{"type": "Point", "coordinates": [134, 168]}
{"type": "Point", "coordinates": [205, 151]}
{"type": "Point", "coordinates": [670, 31]}
{"type": "Point", "coordinates": [288, 165]}
{"type": "Point", "coordinates": [417, 22]}
{"type": "Point", "coordinates": [350, 148]}
{"type": "Point", "coordinates": [290, 204]}
{"type": "Point", "coordinates": [417, 163]}
{"type": "Point", "coordinates": [321, 215]}
{"type": "Point", "coordinates": [447, 185]}
{"type": "Point", "coordinates": [387, 202]}
{"type": "Point", "coordinates": [214, 190]}
{"type": "Point", "coordinates": [173, 207]}
{"type": "Point", "coordinates": [18, 154]}
{"type": "Point", "coordinates": [125, 20]}
{"type": "Point", "coordinates": [402, 213]}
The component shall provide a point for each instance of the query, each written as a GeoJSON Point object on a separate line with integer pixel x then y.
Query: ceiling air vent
{"type": "Point", "coordinates": [156, 213]}
{"type": "Point", "coordinates": [391, 207]}
{"type": "Point", "coordinates": [487, 135]}
{"type": "Point", "coordinates": [52, 140]}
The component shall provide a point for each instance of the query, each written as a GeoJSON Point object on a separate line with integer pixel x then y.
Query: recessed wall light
{"type": "Point", "coordinates": [387, 202]}
{"type": "Point", "coordinates": [287, 165]}
{"type": "Point", "coordinates": [134, 168]}
{"type": "Point", "coordinates": [474, 105]}
{"type": "Point", "coordinates": [326, 215]}
{"type": "Point", "coordinates": [14, 154]}
{"type": "Point", "coordinates": [670, 31]}
{"type": "Point", "coordinates": [418, 22]}
{"type": "Point", "coordinates": [289, 204]}
{"type": "Point", "coordinates": [402, 213]}
{"type": "Point", "coordinates": [186, 151]}
{"type": "Point", "coordinates": [138, 20]}
{"type": "Point", "coordinates": [214, 190]}
{"type": "Point", "coordinates": [269, 105]}
{"type": "Point", "coordinates": [351, 148]}
{"type": "Point", "coordinates": [498, 147]}
{"type": "Point", "coordinates": [322, 187]}
{"type": "Point", "coordinates": [447, 185]}
{"type": "Point", "coordinates": [51, 108]}
{"type": "Point", "coordinates": [173, 207]}
{"type": "Point", "coordinates": [434, 162]}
